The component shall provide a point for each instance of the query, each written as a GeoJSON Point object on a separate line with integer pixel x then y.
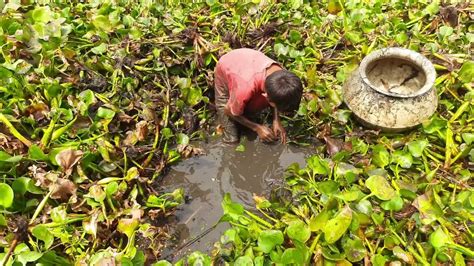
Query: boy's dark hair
{"type": "Point", "coordinates": [284, 89]}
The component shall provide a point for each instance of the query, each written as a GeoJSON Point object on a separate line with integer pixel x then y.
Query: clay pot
{"type": "Point", "coordinates": [392, 90]}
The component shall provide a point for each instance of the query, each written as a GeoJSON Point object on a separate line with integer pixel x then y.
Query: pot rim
{"type": "Point", "coordinates": [405, 54]}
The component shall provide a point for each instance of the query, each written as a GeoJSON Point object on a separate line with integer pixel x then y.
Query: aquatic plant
{"type": "Point", "coordinates": [97, 98]}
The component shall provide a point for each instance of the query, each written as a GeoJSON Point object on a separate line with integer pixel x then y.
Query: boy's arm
{"type": "Point", "coordinates": [278, 129]}
{"type": "Point", "coordinates": [263, 132]}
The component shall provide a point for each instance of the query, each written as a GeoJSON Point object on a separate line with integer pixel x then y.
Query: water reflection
{"type": "Point", "coordinates": [221, 170]}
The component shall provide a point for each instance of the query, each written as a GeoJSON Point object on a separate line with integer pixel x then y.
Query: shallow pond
{"type": "Point", "coordinates": [222, 169]}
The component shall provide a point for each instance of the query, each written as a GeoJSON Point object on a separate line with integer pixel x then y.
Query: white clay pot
{"type": "Point", "coordinates": [392, 90]}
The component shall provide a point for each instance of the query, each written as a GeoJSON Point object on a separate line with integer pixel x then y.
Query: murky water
{"type": "Point", "coordinates": [221, 170]}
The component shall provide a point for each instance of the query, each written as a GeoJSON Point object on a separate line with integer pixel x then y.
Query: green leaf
{"type": "Point", "coordinates": [7, 158]}
{"type": "Point", "coordinates": [42, 14]}
{"type": "Point", "coordinates": [105, 113]}
{"type": "Point", "coordinates": [380, 156]}
{"type": "Point", "coordinates": [394, 204]}
{"type": "Point", "coordinates": [466, 73]}
{"type": "Point", "coordinates": [353, 37]}
{"type": "Point", "coordinates": [468, 138]}
{"type": "Point", "coordinates": [28, 256]}
{"type": "Point", "coordinates": [379, 260]}
{"type": "Point", "coordinates": [3, 221]}
{"type": "Point", "coordinates": [380, 187]}
{"type": "Point", "coordinates": [20, 185]}
{"type": "Point", "coordinates": [445, 31]}
{"type": "Point", "coordinates": [435, 125]}
{"type": "Point", "coordinates": [281, 49]}
{"type": "Point", "coordinates": [127, 226]}
{"type": "Point", "coordinates": [354, 249]}
{"type": "Point", "coordinates": [243, 261]}
{"type": "Point", "coordinates": [298, 230]}
{"type": "Point", "coordinates": [401, 38]}
{"type": "Point", "coordinates": [318, 222]}
{"type": "Point", "coordinates": [268, 239]}
{"type": "Point", "coordinates": [337, 227]}
{"type": "Point", "coordinates": [100, 49]}
{"type": "Point", "coordinates": [428, 208]}
{"type": "Point", "coordinates": [102, 22]}
{"type": "Point", "coordinates": [294, 36]}
{"type": "Point", "coordinates": [232, 209]}
{"type": "Point", "coordinates": [328, 187]}
{"type": "Point", "coordinates": [439, 238]}
{"type": "Point", "coordinates": [6, 195]}
{"type": "Point", "coordinates": [294, 256]}
{"type": "Point", "coordinates": [417, 147]}
{"type": "Point", "coordinates": [431, 9]}
{"type": "Point", "coordinates": [318, 165]}
{"type": "Point", "coordinates": [162, 263]}
{"type": "Point", "coordinates": [35, 153]}
{"type": "Point", "coordinates": [295, 4]}
{"type": "Point", "coordinates": [402, 158]}
{"type": "Point", "coordinates": [403, 255]}
{"type": "Point", "coordinates": [42, 233]}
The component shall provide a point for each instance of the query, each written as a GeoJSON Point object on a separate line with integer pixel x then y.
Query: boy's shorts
{"type": "Point", "coordinates": [231, 132]}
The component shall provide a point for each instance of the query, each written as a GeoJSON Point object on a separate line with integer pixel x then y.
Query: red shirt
{"type": "Point", "coordinates": [243, 72]}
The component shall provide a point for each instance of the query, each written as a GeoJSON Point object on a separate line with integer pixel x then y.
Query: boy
{"type": "Point", "coordinates": [246, 82]}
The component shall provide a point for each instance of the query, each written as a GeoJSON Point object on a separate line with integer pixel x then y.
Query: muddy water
{"type": "Point", "coordinates": [222, 169]}
{"type": "Point", "coordinates": [396, 76]}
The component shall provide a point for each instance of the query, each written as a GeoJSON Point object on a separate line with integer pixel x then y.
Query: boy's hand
{"type": "Point", "coordinates": [265, 134]}
{"type": "Point", "coordinates": [279, 130]}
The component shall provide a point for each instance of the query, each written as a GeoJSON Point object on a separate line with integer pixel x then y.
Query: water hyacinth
{"type": "Point", "coordinates": [98, 98]}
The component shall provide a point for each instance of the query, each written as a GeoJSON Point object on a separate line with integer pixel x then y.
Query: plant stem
{"type": "Point", "coordinates": [41, 206]}
{"type": "Point", "coordinates": [13, 130]}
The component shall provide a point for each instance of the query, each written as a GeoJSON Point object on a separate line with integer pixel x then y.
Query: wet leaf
{"type": "Point", "coordinates": [268, 239]}
{"type": "Point", "coordinates": [318, 222]}
{"type": "Point", "coordinates": [380, 157]}
{"type": "Point", "coordinates": [35, 153]}
{"type": "Point", "coordinates": [102, 48]}
{"type": "Point", "coordinates": [354, 250]}
{"type": "Point", "coordinates": [105, 113]}
{"type": "Point", "coordinates": [28, 256]}
{"type": "Point", "coordinates": [127, 226]}
{"type": "Point", "coordinates": [417, 147]}
{"type": "Point", "coordinates": [380, 187]}
{"type": "Point", "coordinates": [439, 238]}
{"type": "Point", "coordinates": [394, 204]}
{"type": "Point", "coordinates": [299, 231]}
{"type": "Point", "coordinates": [337, 226]}
{"type": "Point", "coordinates": [42, 233]}
{"type": "Point", "coordinates": [429, 210]}
{"type": "Point", "coordinates": [6, 195]}
{"type": "Point", "coordinates": [232, 209]}
{"type": "Point", "coordinates": [243, 261]}
{"type": "Point", "coordinates": [466, 73]}
{"type": "Point", "coordinates": [296, 256]}
{"type": "Point", "coordinates": [318, 165]}
{"type": "Point", "coordinates": [42, 14]}
{"type": "Point", "coordinates": [403, 255]}
{"type": "Point", "coordinates": [402, 158]}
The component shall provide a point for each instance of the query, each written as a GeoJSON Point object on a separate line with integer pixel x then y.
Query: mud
{"type": "Point", "coordinates": [396, 76]}
{"type": "Point", "coordinates": [221, 170]}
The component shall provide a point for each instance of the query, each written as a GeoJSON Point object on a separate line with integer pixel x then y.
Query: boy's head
{"type": "Point", "coordinates": [284, 89]}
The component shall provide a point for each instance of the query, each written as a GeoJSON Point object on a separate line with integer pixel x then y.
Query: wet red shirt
{"type": "Point", "coordinates": [243, 72]}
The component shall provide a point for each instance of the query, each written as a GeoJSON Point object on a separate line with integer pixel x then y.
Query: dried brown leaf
{"type": "Point", "coordinates": [67, 159]}
{"type": "Point", "coordinates": [63, 189]}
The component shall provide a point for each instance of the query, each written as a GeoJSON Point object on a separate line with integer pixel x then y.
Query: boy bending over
{"type": "Point", "coordinates": [246, 82]}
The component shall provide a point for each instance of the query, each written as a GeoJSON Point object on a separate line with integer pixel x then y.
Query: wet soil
{"type": "Point", "coordinates": [396, 76]}
{"type": "Point", "coordinates": [222, 169]}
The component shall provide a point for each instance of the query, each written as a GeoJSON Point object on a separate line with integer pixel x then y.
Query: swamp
{"type": "Point", "coordinates": [110, 153]}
